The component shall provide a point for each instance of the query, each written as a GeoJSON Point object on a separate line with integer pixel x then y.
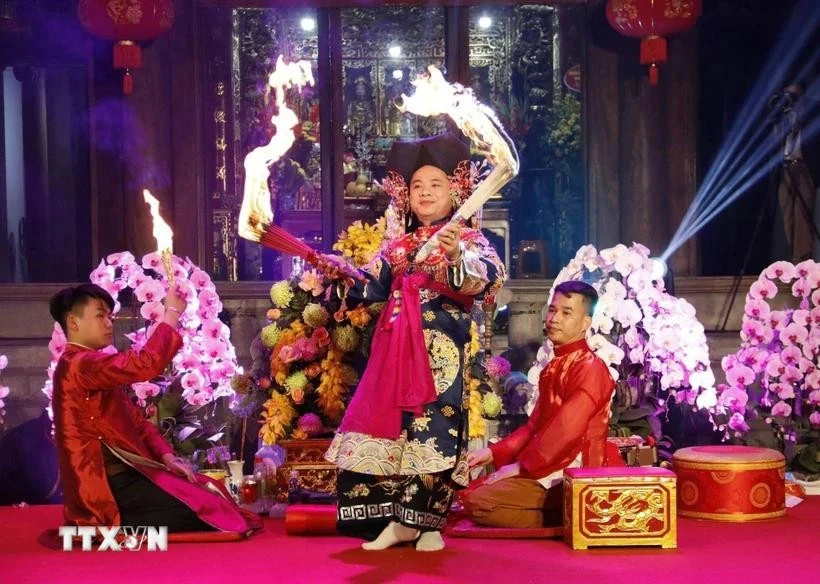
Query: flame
{"type": "Point", "coordinates": [162, 231]}
{"type": "Point", "coordinates": [256, 213]}
{"type": "Point", "coordinates": [434, 96]}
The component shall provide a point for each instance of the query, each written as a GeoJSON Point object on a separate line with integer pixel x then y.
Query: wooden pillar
{"type": "Point", "coordinates": [643, 185]}
{"type": "Point", "coordinates": [640, 141]}
{"type": "Point", "coordinates": [6, 263]}
{"type": "Point", "coordinates": [601, 126]}
{"type": "Point", "coordinates": [681, 81]}
{"type": "Point", "coordinates": [457, 39]}
{"type": "Point", "coordinates": [185, 123]}
{"type": "Point", "coordinates": [331, 111]}
{"type": "Point", "coordinates": [148, 151]}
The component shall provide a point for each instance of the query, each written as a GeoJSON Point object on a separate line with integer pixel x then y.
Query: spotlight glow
{"type": "Point", "coordinates": [394, 51]}
{"type": "Point", "coordinates": [485, 22]}
{"type": "Point", "coordinates": [752, 148]}
{"type": "Point", "coordinates": [398, 74]}
{"type": "Point", "coordinates": [307, 24]}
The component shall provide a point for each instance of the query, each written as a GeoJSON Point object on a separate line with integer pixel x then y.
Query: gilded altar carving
{"type": "Point", "coordinates": [636, 506]}
{"type": "Point", "coordinates": [307, 458]}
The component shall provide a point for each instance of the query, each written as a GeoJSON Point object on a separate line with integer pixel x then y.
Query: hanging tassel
{"type": "Point", "coordinates": [653, 74]}
{"type": "Point", "coordinates": [653, 52]}
{"type": "Point", "coordinates": [127, 83]}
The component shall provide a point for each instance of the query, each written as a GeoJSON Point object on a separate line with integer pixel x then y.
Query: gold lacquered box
{"type": "Point", "coordinates": [620, 506]}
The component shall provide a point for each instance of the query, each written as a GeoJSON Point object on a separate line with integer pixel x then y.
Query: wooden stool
{"type": "Point", "coordinates": [730, 483]}
{"type": "Point", "coordinates": [620, 506]}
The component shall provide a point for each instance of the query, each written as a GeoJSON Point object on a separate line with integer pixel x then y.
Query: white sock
{"type": "Point", "coordinates": [430, 541]}
{"type": "Point", "coordinates": [391, 535]}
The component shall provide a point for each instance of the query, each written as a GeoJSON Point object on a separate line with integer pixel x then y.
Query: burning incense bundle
{"type": "Point", "coordinates": [256, 214]}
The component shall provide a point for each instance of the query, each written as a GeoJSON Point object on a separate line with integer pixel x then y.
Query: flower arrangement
{"type": "Point", "coordinates": [206, 363]}
{"type": "Point", "coordinates": [309, 356]}
{"type": "Point", "coordinates": [652, 342]}
{"type": "Point", "coordinates": [476, 427]}
{"type": "Point", "coordinates": [4, 390]}
{"type": "Point", "coordinates": [774, 377]}
{"type": "Point", "coordinates": [563, 137]}
{"type": "Point", "coordinates": [188, 427]}
{"type": "Point", "coordinates": [360, 242]}
{"type": "Point", "coordinates": [484, 381]}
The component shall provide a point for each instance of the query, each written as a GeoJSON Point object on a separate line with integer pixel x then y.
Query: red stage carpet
{"type": "Point", "coordinates": [783, 550]}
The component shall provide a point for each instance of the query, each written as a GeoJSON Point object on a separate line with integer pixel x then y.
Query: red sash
{"type": "Point", "coordinates": [398, 377]}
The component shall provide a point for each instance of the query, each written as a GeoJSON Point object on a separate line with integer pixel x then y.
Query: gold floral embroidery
{"type": "Point", "coordinates": [444, 359]}
{"type": "Point", "coordinates": [440, 506]}
{"type": "Point", "coordinates": [429, 316]}
{"type": "Point", "coordinates": [421, 424]}
{"type": "Point", "coordinates": [360, 490]}
{"type": "Point", "coordinates": [409, 491]}
{"type": "Point", "coordinates": [452, 432]}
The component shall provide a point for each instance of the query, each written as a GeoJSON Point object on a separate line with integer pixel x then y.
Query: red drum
{"type": "Point", "coordinates": [730, 483]}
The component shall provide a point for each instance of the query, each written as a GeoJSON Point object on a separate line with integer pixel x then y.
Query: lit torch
{"type": "Point", "coordinates": [256, 215]}
{"type": "Point", "coordinates": [434, 96]}
{"type": "Point", "coordinates": [163, 234]}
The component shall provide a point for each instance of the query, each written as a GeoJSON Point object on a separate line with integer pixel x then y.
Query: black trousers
{"type": "Point", "coordinates": [367, 503]}
{"type": "Point", "coordinates": [141, 502]}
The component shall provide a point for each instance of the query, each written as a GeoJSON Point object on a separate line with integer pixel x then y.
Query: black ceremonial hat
{"type": "Point", "coordinates": [444, 151]}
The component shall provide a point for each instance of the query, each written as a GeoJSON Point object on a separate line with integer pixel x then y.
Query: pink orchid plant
{"type": "Point", "coordinates": [206, 363]}
{"type": "Point", "coordinates": [775, 376]}
{"type": "Point", "coordinates": [652, 342]}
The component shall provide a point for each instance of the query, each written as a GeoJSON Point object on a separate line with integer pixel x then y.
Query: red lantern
{"type": "Point", "coordinates": [126, 22]}
{"type": "Point", "coordinates": [651, 21]}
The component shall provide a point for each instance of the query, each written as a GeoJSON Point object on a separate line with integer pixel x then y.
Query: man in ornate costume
{"type": "Point", "coordinates": [568, 426]}
{"type": "Point", "coordinates": [401, 447]}
{"type": "Point", "coordinates": [115, 466]}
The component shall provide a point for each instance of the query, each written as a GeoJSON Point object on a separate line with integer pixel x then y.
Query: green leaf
{"type": "Point", "coordinates": [808, 458]}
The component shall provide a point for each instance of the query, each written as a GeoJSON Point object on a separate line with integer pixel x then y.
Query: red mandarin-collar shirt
{"type": "Point", "coordinates": [92, 409]}
{"type": "Point", "coordinates": [571, 416]}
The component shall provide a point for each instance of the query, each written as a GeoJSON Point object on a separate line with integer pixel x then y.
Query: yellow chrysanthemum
{"type": "Point", "coordinates": [361, 241]}
{"type": "Point", "coordinates": [296, 380]}
{"type": "Point", "coordinates": [475, 343]}
{"type": "Point", "coordinates": [315, 315]}
{"type": "Point", "coordinates": [345, 338]}
{"type": "Point", "coordinates": [270, 335]}
{"type": "Point", "coordinates": [477, 427]}
{"type": "Point", "coordinates": [492, 405]}
{"type": "Point", "coordinates": [281, 294]}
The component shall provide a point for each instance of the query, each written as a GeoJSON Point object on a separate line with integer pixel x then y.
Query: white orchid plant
{"type": "Point", "coordinates": [205, 364]}
{"type": "Point", "coordinates": [652, 342]}
{"type": "Point", "coordinates": [774, 377]}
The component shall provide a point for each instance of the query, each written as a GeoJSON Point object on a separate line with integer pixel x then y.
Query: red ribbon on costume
{"type": "Point", "coordinates": [398, 377]}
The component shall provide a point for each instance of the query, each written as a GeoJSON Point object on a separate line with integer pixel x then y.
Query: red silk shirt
{"type": "Point", "coordinates": [571, 416]}
{"type": "Point", "coordinates": [92, 409]}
